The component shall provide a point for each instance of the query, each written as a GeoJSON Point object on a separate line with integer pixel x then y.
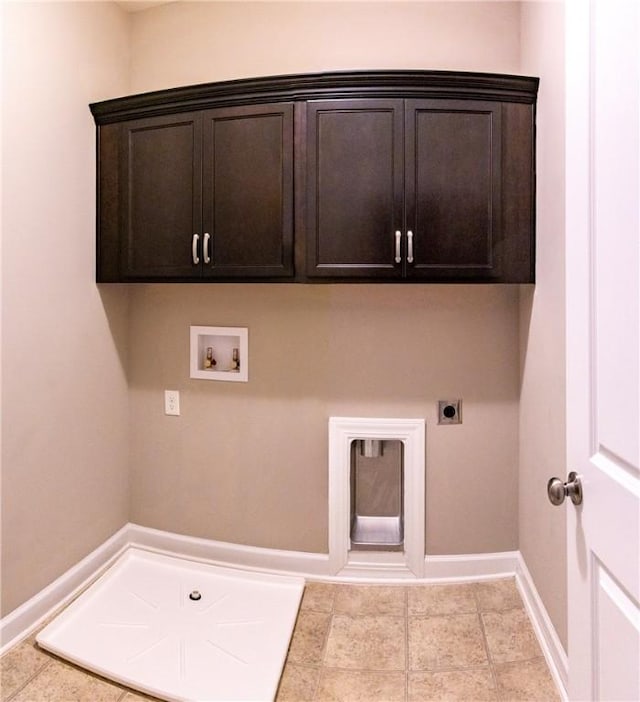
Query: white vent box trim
{"type": "Point", "coordinates": [342, 432]}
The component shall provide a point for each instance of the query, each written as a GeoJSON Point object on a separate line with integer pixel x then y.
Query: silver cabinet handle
{"type": "Point", "coordinates": [398, 242]}
{"type": "Point", "coordinates": [205, 248]}
{"type": "Point", "coordinates": [409, 246]}
{"type": "Point", "coordinates": [194, 250]}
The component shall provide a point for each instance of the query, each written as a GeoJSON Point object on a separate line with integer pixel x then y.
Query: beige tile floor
{"type": "Point", "coordinates": [372, 643]}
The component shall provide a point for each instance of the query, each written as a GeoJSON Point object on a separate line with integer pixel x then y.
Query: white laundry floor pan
{"type": "Point", "coordinates": [142, 624]}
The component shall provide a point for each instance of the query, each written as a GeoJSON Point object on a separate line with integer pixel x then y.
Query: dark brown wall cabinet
{"type": "Point", "coordinates": [203, 195]}
{"type": "Point", "coordinates": [405, 189]}
{"type": "Point", "coordinates": [399, 176]}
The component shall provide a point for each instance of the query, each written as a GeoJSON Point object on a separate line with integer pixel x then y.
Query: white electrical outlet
{"type": "Point", "coordinates": [172, 402]}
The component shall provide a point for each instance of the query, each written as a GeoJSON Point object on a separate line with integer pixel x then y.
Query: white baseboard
{"type": "Point", "coordinates": [225, 554]}
{"type": "Point", "coordinates": [552, 648]}
{"type": "Point", "coordinates": [459, 568]}
{"type": "Point", "coordinates": [28, 616]}
{"type": "Point", "coordinates": [376, 566]}
{"type": "Point", "coordinates": [473, 566]}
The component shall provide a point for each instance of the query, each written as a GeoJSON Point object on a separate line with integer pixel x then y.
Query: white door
{"type": "Point", "coordinates": [603, 379]}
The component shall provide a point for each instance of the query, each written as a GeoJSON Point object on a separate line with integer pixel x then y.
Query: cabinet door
{"type": "Point", "coordinates": [453, 181]}
{"type": "Point", "coordinates": [161, 191]}
{"type": "Point", "coordinates": [354, 188]}
{"type": "Point", "coordinates": [248, 191]}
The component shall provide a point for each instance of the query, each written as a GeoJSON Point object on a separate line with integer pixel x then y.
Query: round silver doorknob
{"type": "Point", "coordinates": [557, 490]}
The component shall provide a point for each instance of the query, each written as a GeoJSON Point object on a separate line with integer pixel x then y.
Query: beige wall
{"type": "Point", "coordinates": [64, 389]}
{"type": "Point", "coordinates": [542, 536]}
{"type": "Point", "coordinates": [185, 43]}
{"type": "Point", "coordinates": [248, 463]}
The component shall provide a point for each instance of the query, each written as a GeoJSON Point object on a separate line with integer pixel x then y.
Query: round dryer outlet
{"type": "Point", "coordinates": [450, 411]}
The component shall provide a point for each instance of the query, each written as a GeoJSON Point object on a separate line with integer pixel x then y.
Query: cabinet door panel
{"type": "Point", "coordinates": [248, 191]}
{"type": "Point", "coordinates": [161, 196]}
{"type": "Point", "coordinates": [354, 187]}
{"type": "Point", "coordinates": [453, 181]}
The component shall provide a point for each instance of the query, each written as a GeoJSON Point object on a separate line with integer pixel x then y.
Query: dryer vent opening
{"type": "Point", "coordinates": [377, 495]}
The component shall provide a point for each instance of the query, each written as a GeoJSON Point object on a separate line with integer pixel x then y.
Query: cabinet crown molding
{"type": "Point", "coordinates": [315, 86]}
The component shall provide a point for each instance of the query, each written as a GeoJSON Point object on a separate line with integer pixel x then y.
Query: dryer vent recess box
{"type": "Point", "coordinates": [450, 197]}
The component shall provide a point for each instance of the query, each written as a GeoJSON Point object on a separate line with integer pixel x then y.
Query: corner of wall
{"type": "Point", "coordinates": [542, 322]}
{"type": "Point", "coordinates": [64, 478]}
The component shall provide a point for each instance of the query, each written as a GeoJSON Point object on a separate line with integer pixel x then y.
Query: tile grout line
{"type": "Point", "coordinates": [308, 666]}
{"type": "Point", "coordinates": [385, 671]}
{"type": "Point", "coordinates": [455, 669]}
{"type": "Point", "coordinates": [485, 642]}
{"type": "Point", "coordinates": [29, 680]}
{"type": "Point", "coordinates": [407, 659]}
{"type": "Point", "coordinates": [382, 671]}
{"type": "Point", "coordinates": [525, 660]}
{"type": "Point", "coordinates": [326, 641]}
